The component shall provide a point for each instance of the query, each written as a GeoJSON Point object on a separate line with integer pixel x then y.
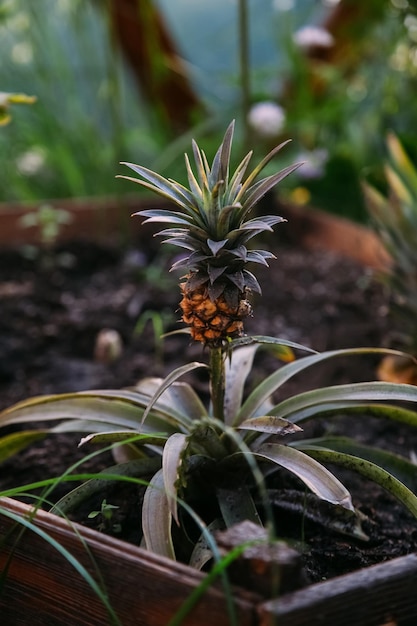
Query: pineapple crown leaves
{"type": "Point", "coordinates": [212, 221]}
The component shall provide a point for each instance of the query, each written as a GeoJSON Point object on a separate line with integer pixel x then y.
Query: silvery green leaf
{"type": "Point", "coordinates": [237, 278]}
{"type": "Point", "coordinates": [179, 242]}
{"type": "Point", "coordinates": [215, 272]}
{"type": "Point", "coordinates": [156, 518]}
{"type": "Point", "coordinates": [137, 468]}
{"type": "Point", "coordinates": [171, 461]}
{"type": "Point", "coordinates": [159, 184]}
{"type": "Point", "coordinates": [221, 162]}
{"type": "Point", "coordinates": [164, 215]}
{"type": "Point", "coordinates": [251, 282]}
{"type": "Point", "coordinates": [15, 442]}
{"type": "Point", "coordinates": [240, 252]}
{"type": "Point", "coordinates": [389, 411]}
{"type": "Point", "coordinates": [270, 424]}
{"type": "Point", "coordinates": [202, 552]}
{"type": "Point", "coordinates": [368, 470]}
{"type": "Point", "coordinates": [258, 169]}
{"type": "Point", "coordinates": [102, 406]}
{"type": "Point", "coordinates": [178, 398]}
{"type": "Point", "coordinates": [314, 475]}
{"type": "Point", "coordinates": [237, 505]}
{"type": "Point", "coordinates": [192, 181]}
{"type": "Point", "coordinates": [274, 342]}
{"type": "Point", "coordinates": [168, 381]}
{"type": "Point", "coordinates": [255, 193]}
{"type": "Point", "coordinates": [118, 436]}
{"type": "Point", "coordinates": [201, 169]}
{"type": "Point", "coordinates": [237, 369]}
{"type": "Point", "coordinates": [227, 218]}
{"type": "Point", "coordinates": [397, 465]}
{"type": "Point", "coordinates": [273, 382]}
{"type": "Point", "coordinates": [360, 392]}
{"type": "Point", "coordinates": [236, 180]}
{"type": "Point", "coordinates": [258, 256]}
{"type": "Point", "coordinates": [215, 246]}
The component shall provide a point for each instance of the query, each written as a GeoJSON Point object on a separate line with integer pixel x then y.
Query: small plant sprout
{"type": "Point", "coordinates": [158, 321]}
{"type": "Point", "coordinates": [215, 460]}
{"type": "Point", "coordinates": [49, 220]}
{"type": "Point", "coordinates": [106, 514]}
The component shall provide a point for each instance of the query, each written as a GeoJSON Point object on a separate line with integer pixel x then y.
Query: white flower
{"type": "Point", "coordinates": [309, 36]}
{"type": "Point", "coordinates": [267, 119]}
{"type": "Point", "coordinates": [313, 163]}
{"type": "Point", "coordinates": [283, 5]}
{"type": "Point", "coordinates": [32, 161]}
{"type": "Point", "coordinates": [22, 53]}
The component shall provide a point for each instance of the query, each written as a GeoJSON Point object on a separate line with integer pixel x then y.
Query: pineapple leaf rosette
{"type": "Point", "coordinates": [209, 467]}
{"type": "Point", "coordinates": [394, 219]}
{"type": "Point", "coordinates": [213, 224]}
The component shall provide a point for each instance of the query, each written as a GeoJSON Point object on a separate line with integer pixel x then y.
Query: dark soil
{"type": "Point", "coordinates": [54, 307]}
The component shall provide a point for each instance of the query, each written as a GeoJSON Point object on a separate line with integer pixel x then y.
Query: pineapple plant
{"type": "Point", "coordinates": [394, 217]}
{"type": "Point", "coordinates": [214, 225]}
{"type": "Point", "coordinates": [205, 464]}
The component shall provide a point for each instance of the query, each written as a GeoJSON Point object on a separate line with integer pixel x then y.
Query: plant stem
{"type": "Point", "coordinates": [217, 382]}
{"type": "Point", "coordinates": [244, 68]}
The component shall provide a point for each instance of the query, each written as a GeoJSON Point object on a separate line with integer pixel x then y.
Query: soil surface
{"type": "Point", "coordinates": [55, 306]}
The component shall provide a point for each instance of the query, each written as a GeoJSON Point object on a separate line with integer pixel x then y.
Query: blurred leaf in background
{"type": "Point", "coordinates": [130, 80]}
{"type": "Point", "coordinates": [88, 114]}
{"type": "Point", "coordinates": [7, 99]}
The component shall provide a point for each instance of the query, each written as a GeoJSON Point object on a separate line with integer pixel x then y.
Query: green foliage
{"type": "Point", "coordinates": [87, 113]}
{"type": "Point", "coordinates": [394, 217]}
{"type": "Point", "coordinates": [158, 321]}
{"type": "Point", "coordinates": [200, 459]}
{"type": "Point", "coordinates": [106, 514]}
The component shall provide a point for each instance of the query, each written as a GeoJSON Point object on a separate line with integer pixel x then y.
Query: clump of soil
{"type": "Point", "coordinates": [54, 308]}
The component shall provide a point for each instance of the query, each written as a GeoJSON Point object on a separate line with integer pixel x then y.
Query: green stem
{"type": "Point", "coordinates": [217, 382]}
{"type": "Point", "coordinates": [244, 68]}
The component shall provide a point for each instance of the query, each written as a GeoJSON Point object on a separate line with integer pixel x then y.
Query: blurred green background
{"type": "Point", "coordinates": [134, 80]}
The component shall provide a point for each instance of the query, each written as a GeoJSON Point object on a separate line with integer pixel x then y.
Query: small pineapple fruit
{"type": "Point", "coordinates": [212, 223]}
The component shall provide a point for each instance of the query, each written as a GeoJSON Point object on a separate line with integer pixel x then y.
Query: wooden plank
{"type": "Point", "coordinates": [90, 218]}
{"type": "Point", "coordinates": [384, 594]}
{"type": "Point", "coordinates": [43, 588]}
{"type": "Point", "coordinates": [103, 218]}
{"type": "Point", "coordinates": [319, 230]}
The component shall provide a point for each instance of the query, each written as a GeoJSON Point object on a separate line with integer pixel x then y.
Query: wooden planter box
{"type": "Point", "coordinates": [42, 588]}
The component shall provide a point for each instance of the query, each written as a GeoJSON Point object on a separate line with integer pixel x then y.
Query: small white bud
{"type": "Point", "coordinates": [313, 163]}
{"type": "Point", "coordinates": [267, 119]}
{"type": "Point", "coordinates": [310, 36]}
